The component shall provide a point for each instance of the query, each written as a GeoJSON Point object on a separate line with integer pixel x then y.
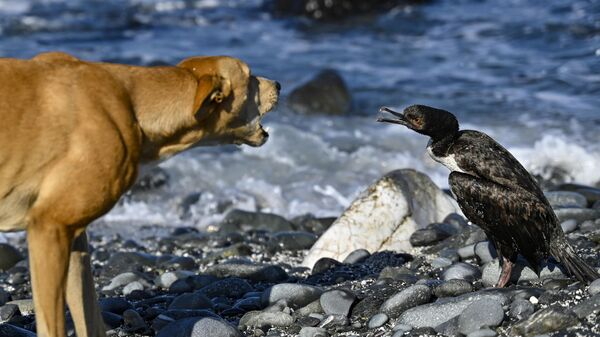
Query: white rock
{"type": "Point", "coordinates": [384, 216]}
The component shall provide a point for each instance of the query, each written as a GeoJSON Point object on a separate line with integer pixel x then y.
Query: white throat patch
{"type": "Point", "coordinates": [448, 161]}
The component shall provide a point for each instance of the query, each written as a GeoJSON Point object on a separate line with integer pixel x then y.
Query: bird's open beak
{"type": "Point", "coordinates": [398, 120]}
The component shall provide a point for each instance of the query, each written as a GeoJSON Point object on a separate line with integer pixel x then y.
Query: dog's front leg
{"type": "Point", "coordinates": [49, 247]}
{"type": "Point", "coordinates": [81, 295]}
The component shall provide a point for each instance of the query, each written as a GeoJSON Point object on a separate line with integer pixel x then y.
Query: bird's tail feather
{"type": "Point", "coordinates": [566, 255]}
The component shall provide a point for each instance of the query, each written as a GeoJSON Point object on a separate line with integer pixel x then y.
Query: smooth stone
{"type": "Point", "coordinates": [8, 311]}
{"type": "Point", "coordinates": [238, 220]}
{"type": "Point", "coordinates": [449, 328]}
{"type": "Point", "coordinates": [569, 225]}
{"type": "Point", "coordinates": [325, 93]}
{"type": "Point", "coordinates": [247, 304]}
{"type": "Point", "coordinates": [8, 330]}
{"type": "Point", "coordinates": [337, 302]}
{"type": "Point", "coordinates": [485, 332]}
{"type": "Point", "coordinates": [311, 308]}
{"type": "Point", "coordinates": [578, 214]}
{"type": "Point", "coordinates": [296, 295]}
{"type": "Point", "coordinates": [427, 236]}
{"type": "Point", "coordinates": [191, 301]}
{"type": "Point", "coordinates": [25, 305]}
{"type": "Point", "coordinates": [111, 321]}
{"type": "Point", "coordinates": [461, 271]}
{"type": "Point", "coordinates": [133, 321]}
{"type": "Point", "coordinates": [410, 297]}
{"type": "Point", "coordinates": [485, 252]}
{"type": "Point", "coordinates": [441, 262]}
{"type": "Point", "coordinates": [261, 319]}
{"type": "Point", "coordinates": [466, 252]}
{"type": "Point", "coordinates": [9, 256]}
{"type": "Point", "coordinates": [230, 287]}
{"type": "Point", "coordinates": [378, 320]}
{"type": "Point", "coordinates": [324, 264]}
{"type": "Point", "coordinates": [131, 287]}
{"type": "Point", "coordinates": [292, 241]}
{"type": "Point", "coordinates": [546, 320]}
{"type": "Point", "coordinates": [4, 297]}
{"type": "Point", "coordinates": [165, 280]}
{"type": "Point", "coordinates": [115, 305]}
{"type": "Point", "coordinates": [124, 262]}
{"type": "Point", "coordinates": [125, 279]}
{"type": "Point", "coordinates": [562, 199]}
{"type": "Point", "coordinates": [491, 273]}
{"type": "Point", "coordinates": [479, 314]}
{"type": "Point", "coordinates": [587, 307]}
{"type": "Point", "coordinates": [453, 288]}
{"type": "Point", "coordinates": [357, 256]}
{"type": "Point", "coordinates": [385, 215]}
{"type": "Point", "coordinates": [181, 263]}
{"type": "Point", "coordinates": [402, 328]}
{"type": "Point", "coordinates": [521, 309]}
{"type": "Point", "coordinates": [434, 314]}
{"type": "Point", "coordinates": [594, 287]}
{"type": "Point", "coordinates": [257, 273]}
{"type": "Point", "coordinates": [313, 332]}
{"type": "Point", "coordinates": [199, 327]}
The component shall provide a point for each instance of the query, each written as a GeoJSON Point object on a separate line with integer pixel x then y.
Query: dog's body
{"type": "Point", "coordinates": [73, 136]}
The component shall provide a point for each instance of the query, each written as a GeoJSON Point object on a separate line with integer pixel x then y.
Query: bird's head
{"type": "Point", "coordinates": [435, 123]}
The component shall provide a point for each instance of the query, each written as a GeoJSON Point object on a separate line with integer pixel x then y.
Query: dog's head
{"type": "Point", "coordinates": [230, 102]}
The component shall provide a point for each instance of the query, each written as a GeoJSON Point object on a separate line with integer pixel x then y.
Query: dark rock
{"type": "Point", "coordinates": [521, 272]}
{"type": "Point", "coordinates": [238, 220]}
{"type": "Point", "coordinates": [111, 320]}
{"type": "Point", "coordinates": [398, 274]}
{"type": "Point", "coordinates": [312, 224]}
{"type": "Point", "coordinates": [479, 314]}
{"type": "Point", "coordinates": [7, 330]}
{"type": "Point", "coordinates": [166, 280]}
{"type": "Point", "coordinates": [427, 236]}
{"type": "Point", "coordinates": [378, 320]}
{"type": "Point", "coordinates": [133, 321]}
{"type": "Point", "coordinates": [521, 309]}
{"type": "Point", "coordinates": [248, 271]}
{"type": "Point", "coordinates": [326, 93]}
{"type": "Point", "coordinates": [122, 262]}
{"type": "Point", "coordinates": [115, 305]}
{"type": "Point", "coordinates": [238, 249]}
{"type": "Point", "coordinates": [544, 321]}
{"type": "Point", "coordinates": [462, 271]}
{"type": "Point", "coordinates": [4, 297]}
{"type": "Point", "coordinates": [9, 311]}
{"type": "Point", "coordinates": [230, 287]}
{"type": "Point", "coordinates": [311, 308]}
{"type": "Point", "coordinates": [178, 263]}
{"type": "Point", "coordinates": [248, 304]}
{"type": "Point", "coordinates": [449, 328]}
{"type": "Point", "coordinates": [152, 180]}
{"type": "Point", "coordinates": [337, 302]}
{"type": "Point", "coordinates": [191, 301]}
{"type": "Point", "coordinates": [453, 288]}
{"type": "Point", "coordinates": [357, 256]}
{"type": "Point", "coordinates": [9, 256]}
{"type": "Point", "coordinates": [292, 241]}
{"type": "Point", "coordinates": [324, 264]}
{"type": "Point", "coordinates": [199, 327]}
{"type": "Point", "coordinates": [406, 299]}
{"type": "Point", "coordinates": [588, 306]}
{"type": "Point", "coordinates": [261, 319]}
{"type": "Point", "coordinates": [296, 295]}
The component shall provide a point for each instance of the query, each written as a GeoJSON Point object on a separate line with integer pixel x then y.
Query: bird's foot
{"type": "Point", "coordinates": [507, 267]}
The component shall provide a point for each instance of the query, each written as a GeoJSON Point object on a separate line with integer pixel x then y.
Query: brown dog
{"type": "Point", "coordinates": [73, 136]}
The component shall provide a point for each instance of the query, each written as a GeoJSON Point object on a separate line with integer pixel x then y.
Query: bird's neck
{"type": "Point", "coordinates": [440, 145]}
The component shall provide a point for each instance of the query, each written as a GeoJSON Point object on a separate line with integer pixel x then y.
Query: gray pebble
{"type": "Point", "coordinates": [562, 199]}
{"type": "Point", "coordinates": [125, 279]}
{"type": "Point", "coordinates": [296, 295]}
{"type": "Point", "coordinates": [261, 319]}
{"type": "Point", "coordinates": [165, 280]}
{"type": "Point", "coordinates": [520, 309]}
{"type": "Point", "coordinates": [405, 299]}
{"type": "Point", "coordinates": [133, 321]}
{"type": "Point", "coordinates": [569, 225]}
{"type": "Point", "coordinates": [482, 313]}
{"type": "Point", "coordinates": [402, 327]}
{"type": "Point", "coordinates": [9, 311]}
{"type": "Point", "coordinates": [251, 272]}
{"type": "Point", "coordinates": [199, 327]}
{"type": "Point", "coordinates": [466, 252]}
{"type": "Point", "coordinates": [441, 262]}
{"type": "Point", "coordinates": [594, 287]}
{"type": "Point", "coordinates": [357, 256]}
{"type": "Point", "coordinates": [546, 320]}
{"type": "Point", "coordinates": [491, 273]}
{"type": "Point", "coordinates": [378, 320]}
{"type": "Point", "coordinates": [461, 271]}
{"type": "Point", "coordinates": [453, 288]}
{"type": "Point", "coordinates": [485, 332]}
{"type": "Point", "coordinates": [485, 252]}
{"type": "Point", "coordinates": [8, 330]}
{"type": "Point", "coordinates": [588, 307]}
{"type": "Point", "coordinates": [337, 302]}
{"type": "Point", "coordinates": [427, 236]}
{"type": "Point", "coordinates": [191, 301]}
{"type": "Point", "coordinates": [232, 287]}
{"type": "Point", "coordinates": [131, 287]}
{"type": "Point", "coordinates": [4, 297]}
{"type": "Point", "coordinates": [292, 241]}
{"type": "Point", "coordinates": [115, 305]}
{"type": "Point", "coordinates": [313, 332]}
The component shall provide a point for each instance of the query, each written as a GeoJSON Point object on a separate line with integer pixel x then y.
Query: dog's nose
{"type": "Point", "coordinates": [278, 86]}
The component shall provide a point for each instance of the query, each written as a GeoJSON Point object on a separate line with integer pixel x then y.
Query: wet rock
{"type": "Point", "coordinates": [262, 319]}
{"type": "Point", "coordinates": [9, 311]}
{"type": "Point", "coordinates": [165, 280]}
{"type": "Point", "coordinates": [25, 305]}
{"type": "Point", "coordinates": [461, 271]}
{"type": "Point", "coordinates": [131, 287]}
{"type": "Point", "coordinates": [4, 297]}
{"type": "Point", "coordinates": [491, 273]}
{"type": "Point", "coordinates": [466, 252]}
{"type": "Point", "coordinates": [588, 306]}
{"type": "Point", "coordinates": [125, 279]}
{"type": "Point", "coordinates": [594, 287]}
{"type": "Point", "coordinates": [230, 287]}
{"type": "Point", "coordinates": [378, 320]}
{"type": "Point", "coordinates": [9, 256]}
{"type": "Point", "coordinates": [578, 214]}
{"type": "Point", "coordinates": [296, 295]}
{"type": "Point", "coordinates": [123, 262]}
{"type": "Point", "coordinates": [405, 299]}
{"type": "Point", "coordinates": [544, 321]}
{"type": "Point", "coordinates": [453, 288]}
{"type": "Point", "coordinates": [313, 224]}
{"type": "Point", "coordinates": [324, 264]}
{"type": "Point", "coordinates": [251, 272]}
{"type": "Point", "coordinates": [326, 93]}
{"type": "Point", "coordinates": [357, 256]}
{"type": "Point", "coordinates": [199, 327]}
{"type": "Point", "coordinates": [115, 305]}
{"type": "Point", "coordinates": [521, 309]}
{"type": "Point", "coordinates": [386, 214]}
{"type": "Point", "coordinates": [479, 314]}
{"type": "Point", "coordinates": [292, 241]}
{"type": "Point", "coordinates": [427, 236]}
{"type": "Point", "coordinates": [485, 252]}
{"type": "Point", "coordinates": [569, 225]}
{"type": "Point", "coordinates": [238, 220]}
{"type": "Point", "coordinates": [313, 332]}
{"type": "Point", "coordinates": [248, 304]}
{"type": "Point", "coordinates": [434, 314]}
{"type": "Point", "coordinates": [337, 302]}
{"type": "Point", "coordinates": [563, 199]}
{"type": "Point", "coordinates": [191, 301]}
{"type": "Point", "coordinates": [8, 330]}
{"type": "Point", "coordinates": [441, 262]}
{"type": "Point", "coordinates": [449, 328]}
{"type": "Point", "coordinates": [133, 321]}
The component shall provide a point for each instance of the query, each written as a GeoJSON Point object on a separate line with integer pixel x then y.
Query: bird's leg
{"type": "Point", "coordinates": [507, 267]}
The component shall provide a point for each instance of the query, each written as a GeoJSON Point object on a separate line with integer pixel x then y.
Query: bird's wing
{"type": "Point", "coordinates": [478, 154]}
{"type": "Point", "coordinates": [516, 221]}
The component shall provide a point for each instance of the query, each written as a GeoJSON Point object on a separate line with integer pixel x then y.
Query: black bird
{"type": "Point", "coordinates": [495, 192]}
